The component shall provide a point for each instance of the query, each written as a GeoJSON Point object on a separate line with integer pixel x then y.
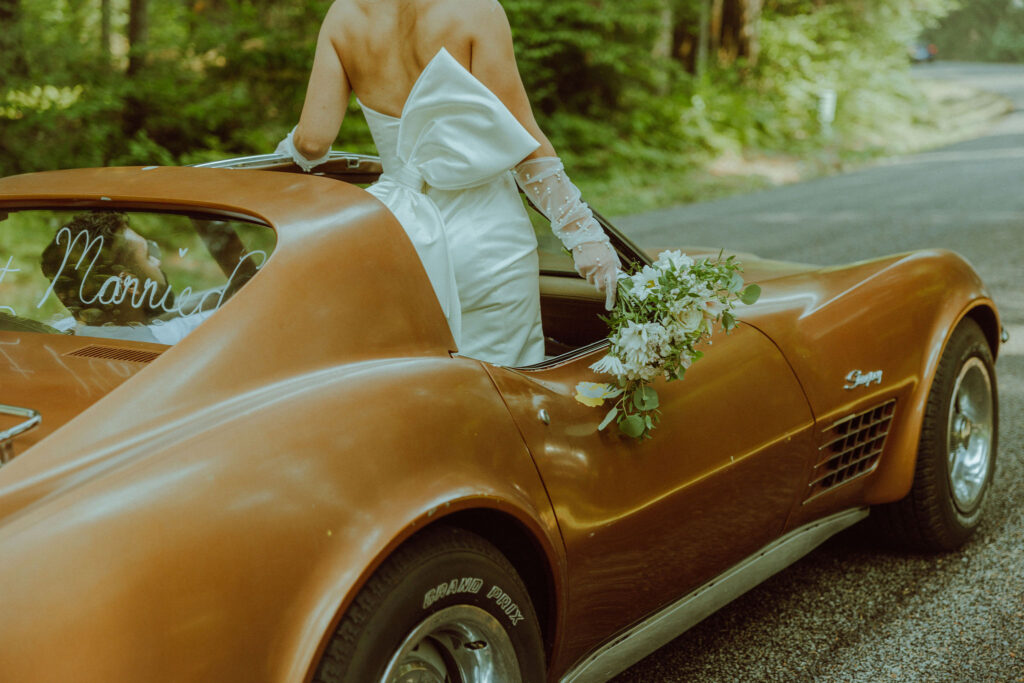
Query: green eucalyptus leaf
{"type": "Point", "coordinates": [645, 398]}
{"type": "Point", "coordinates": [638, 399]}
{"type": "Point", "coordinates": [751, 294]}
{"type": "Point", "coordinates": [728, 321]}
{"type": "Point", "coordinates": [633, 426]}
{"type": "Point", "coordinates": [735, 282]}
{"type": "Point", "coordinates": [612, 414]}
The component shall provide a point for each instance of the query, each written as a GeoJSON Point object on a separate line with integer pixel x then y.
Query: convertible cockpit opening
{"type": "Point", "coordinates": [127, 275]}
{"type": "Point", "coordinates": [571, 309]}
{"type": "Point", "coordinates": [570, 313]}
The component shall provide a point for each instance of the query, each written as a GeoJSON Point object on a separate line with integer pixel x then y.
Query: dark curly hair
{"type": "Point", "coordinates": [110, 261]}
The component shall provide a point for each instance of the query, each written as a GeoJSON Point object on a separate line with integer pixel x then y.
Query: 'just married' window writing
{"type": "Point", "coordinates": [122, 274]}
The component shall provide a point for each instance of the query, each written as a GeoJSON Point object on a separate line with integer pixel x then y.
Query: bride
{"type": "Point", "coordinates": [438, 84]}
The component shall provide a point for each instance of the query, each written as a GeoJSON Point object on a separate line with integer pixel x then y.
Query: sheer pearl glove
{"type": "Point", "coordinates": [547, 186]}
{"type": "Point", "coordinates": [599, 264]}
{"type": "Point", "coordinates": [287, 148]}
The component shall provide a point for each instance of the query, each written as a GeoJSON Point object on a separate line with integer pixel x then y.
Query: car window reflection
{"type": "Point", "coordinates": [124, 275]}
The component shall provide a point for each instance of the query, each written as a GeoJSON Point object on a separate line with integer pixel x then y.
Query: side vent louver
{"type": "Point", "coordinates": [851, 448]}
{"type": "Point", "coordinates": [114, 353]}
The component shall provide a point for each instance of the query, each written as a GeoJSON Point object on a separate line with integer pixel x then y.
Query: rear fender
{"type": "Point", "coordinates": [243, 543]}
{"type": "Point", "coordinates": [448, 457]}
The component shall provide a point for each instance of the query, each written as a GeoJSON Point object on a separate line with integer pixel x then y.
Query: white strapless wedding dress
{"type": "Point", "coordinates": [446, 178]}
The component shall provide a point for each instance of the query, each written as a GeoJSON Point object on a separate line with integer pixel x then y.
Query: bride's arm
{"type": "Point", "coordinates": [541, 175]}
{"type": "Point", "coordinates": [326, 96]}
{"type": "Point", "coordinates": [493, 62]}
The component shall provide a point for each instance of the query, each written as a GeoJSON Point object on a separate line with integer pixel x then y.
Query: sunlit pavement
{"type": "Point", "coordinates": [851, 611]}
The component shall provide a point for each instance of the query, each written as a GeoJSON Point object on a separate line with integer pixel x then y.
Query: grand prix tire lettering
{"type": "Point", "coordinates": [505, 603]}
{"type": "Point", "coordinates": [447, 605]}
{"type": "Point", "coordinates": [443, 590]}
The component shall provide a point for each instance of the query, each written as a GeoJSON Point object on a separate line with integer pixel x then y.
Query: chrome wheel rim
{"type": "Point", "coordinates": [461, 643]}
{"type": "Point", "coordinates": [969, 434]}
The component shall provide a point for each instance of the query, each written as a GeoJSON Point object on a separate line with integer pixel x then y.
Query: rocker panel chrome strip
{"type": "Point", "coordinates": [647, 636]}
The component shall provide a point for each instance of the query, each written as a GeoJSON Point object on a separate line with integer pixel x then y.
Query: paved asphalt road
{"type": "Point", "coordinates": [850, 611]}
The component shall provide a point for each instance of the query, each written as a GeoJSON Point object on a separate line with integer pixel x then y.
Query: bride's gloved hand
{"type": "Point", "coordinates": [547, 186]}
{"type": "Point", "coordinates": [287, 148]}
{"type": "Point", "coordinates": [599, 264]}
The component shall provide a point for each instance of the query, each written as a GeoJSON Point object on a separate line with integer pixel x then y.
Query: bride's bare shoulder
{"type": "Point", "coordinates": [347, 10]}
{"type": "Point", "coordinates": [360, 27]}
{"type": "Point", "coordinates": [479, 9]}
{"type": "Point", "coordinates": [470, 15]}
{"type": "Point", "coordinates": [443, 14]}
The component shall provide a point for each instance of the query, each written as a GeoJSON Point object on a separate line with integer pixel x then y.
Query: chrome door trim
{"type": "Point", "coordinates": [275, 160]}
{"type": "Point", "coordinates": [644, 638]}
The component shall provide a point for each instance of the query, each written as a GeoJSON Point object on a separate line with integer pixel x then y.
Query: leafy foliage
{"type": "Point", "coordinates": [593, 80]}
{"type": "Point", "coordinates": [855, 49]}
{"type": "Point", "coordinates": [586, 57]}
{"type": "Point", "coordinates": [612, 82]}
{"type": "Point", "coordinates": [982, 30]}
{"type": "Point", "coordinates": [216, 78]}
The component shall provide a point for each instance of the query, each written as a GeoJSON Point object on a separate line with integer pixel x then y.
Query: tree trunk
{"type": "Point", "coordinates": [662, 48]}
{"type": "Point", "coordinates": [663, 45]}
{"type": "Point", "coordinates": [105, 30]}
{"type": "Point", "coordinates": [704, 39]}
{"type": "Point", "coordinates": [9, 11]}
{"type": "Point", "coordinates": [715, 26]}
{"type": "Point", "coordinates": [12, 61]}
{"type": "Point", "coordinates": [752, 29]}
{"type": "Point", "coordinates": [138, 32]}
{"type": "Point", "coordinates": [735, 31]}
{"type": "Point", "coordinates": [191, 12]}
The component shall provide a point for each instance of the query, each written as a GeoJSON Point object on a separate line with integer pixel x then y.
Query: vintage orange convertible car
{"type": "Point", "coordinates": [238, 442]}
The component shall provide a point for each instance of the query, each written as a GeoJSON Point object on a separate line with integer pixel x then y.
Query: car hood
{"type": "Point", "coordinates": [755, 268]}
{"type": "Point", "coordinates": [888, 315]}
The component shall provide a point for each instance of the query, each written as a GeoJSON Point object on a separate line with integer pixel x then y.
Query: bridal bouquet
{"type": "Point", "coordinates": [663, 312]}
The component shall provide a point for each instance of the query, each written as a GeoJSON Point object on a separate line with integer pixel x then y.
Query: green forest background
{"type": "Point", "coordinates": [625, 90]}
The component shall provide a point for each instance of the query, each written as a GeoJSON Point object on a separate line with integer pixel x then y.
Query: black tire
{"type": "Point", "coordinates": [938, 515]}
{"type": "Point", "coordinates": [443, 581]}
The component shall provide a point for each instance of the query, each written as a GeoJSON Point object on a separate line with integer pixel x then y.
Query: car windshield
{"type": "Point", "coordinates": [132, 275]}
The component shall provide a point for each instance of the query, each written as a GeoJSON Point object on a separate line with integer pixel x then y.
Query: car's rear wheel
{"type": "Point", "coordinates": [446, 606]}
{"type": "Point", "coordinates": [957, 451]}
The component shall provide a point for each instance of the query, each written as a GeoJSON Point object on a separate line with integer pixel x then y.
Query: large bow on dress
{"type": "Point", "coordinates": [453, 134]}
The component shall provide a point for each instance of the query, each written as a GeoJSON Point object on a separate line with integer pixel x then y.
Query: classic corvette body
{"type": "Point", "coordinates": [216, 508]}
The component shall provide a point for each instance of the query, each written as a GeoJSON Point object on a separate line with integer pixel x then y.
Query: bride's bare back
{"type": "Point", "coordinates": [378, 48]}
{"type": "Point", "coordinates": [384, 46]}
